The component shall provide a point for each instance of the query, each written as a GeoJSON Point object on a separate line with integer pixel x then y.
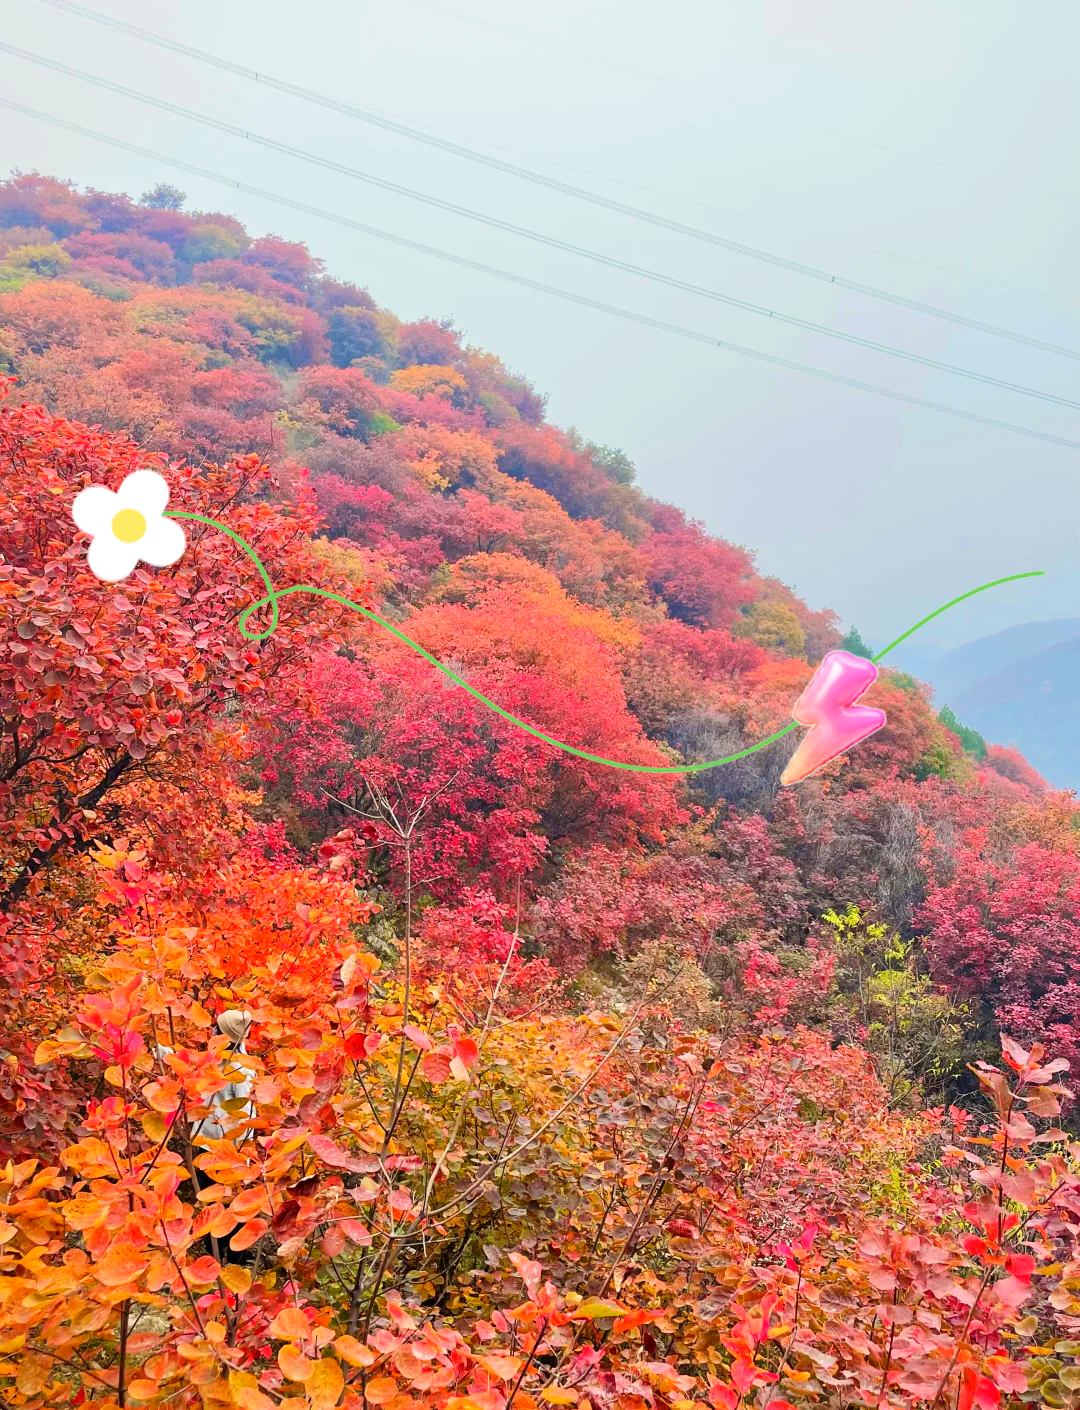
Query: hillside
{"type": "Point", "coordinates": [359, 1048]}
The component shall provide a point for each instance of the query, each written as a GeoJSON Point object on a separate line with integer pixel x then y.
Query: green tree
{"type": "Point", "coordinates": [163, 197]}
{"type": "Point", "coordinates": [616, 464]}
{"type": "Point", "coordinates": [207, 242]}
{"type": "Point", "coordinates": [854, 644]}
{"type": "Point", "coordinates": [354, 332]}
{"type": "Point", "coordinates": [915, 1034]}
{"type": "Point", "coordinates": [971, 741]}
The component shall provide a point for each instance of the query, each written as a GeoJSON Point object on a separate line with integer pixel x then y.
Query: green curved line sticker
{"type": "Point", "coordinates": [274, 595]}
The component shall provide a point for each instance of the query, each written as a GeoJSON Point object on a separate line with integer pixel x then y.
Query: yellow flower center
{"type": "Point", "coordinates": [129, 526]}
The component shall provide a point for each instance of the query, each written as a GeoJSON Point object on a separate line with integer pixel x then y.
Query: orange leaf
{"type": "Point", "coordinates": [33, 1373]}
{"type": "Point", "coordinates": [290, 1325]}
{"type": "Point", "coordinates": [435, 1067]}
{"type": "Point", "coordinates": [122, 1265]}
{"type": "Point", "coordinates": [203, 1271]}
{"type": "Point", "coordinates": [637, 1318]}
{"type": "Point", "coordinates": [503, 1367]}
{"type": "Point", "coordinates": [248, 1234]}
{"type": "Point", "coordinates": [251, 1398]}
{"type": "Point", "coordinates": [354, 1352]}
{"type": "Point", "coordinates": [247, 1203]}
{"type": "Point", "coordinates": [381, 1390]}
{"type": "Point", "coordinates": [294, 1364]}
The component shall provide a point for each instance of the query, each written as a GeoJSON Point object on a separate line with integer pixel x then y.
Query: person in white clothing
{"type": "Point", "coordinates": [234, 1024]}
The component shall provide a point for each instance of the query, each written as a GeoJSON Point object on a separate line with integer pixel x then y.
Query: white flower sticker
{"type": "Point", "coordinates": [128, 526]}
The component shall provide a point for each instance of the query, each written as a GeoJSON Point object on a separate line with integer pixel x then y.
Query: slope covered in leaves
{"type": "Point", "coordinates": [564, 1086]}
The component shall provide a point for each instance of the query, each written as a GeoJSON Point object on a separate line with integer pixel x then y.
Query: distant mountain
{"type": "Point", "coordinates": [959, 671]}
{"type": "Point", "coordinates": [910, 656]}
{"type": "Point", "coordinates": [1033, 704]}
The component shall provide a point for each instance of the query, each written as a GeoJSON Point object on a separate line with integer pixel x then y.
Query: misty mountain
{"type": "Point", "coordinates": [959, 671]}
{"type": "Point", "coordinates": [1032, 704]}
{"type": "Point", "coordinates": [952, 674]}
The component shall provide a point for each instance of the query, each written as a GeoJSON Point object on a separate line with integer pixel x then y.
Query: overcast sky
{"type": "Point", "coordinates": [722, 109]}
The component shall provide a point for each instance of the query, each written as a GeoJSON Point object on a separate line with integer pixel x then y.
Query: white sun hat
{"type": "Point", "coordinates": [128, 526]}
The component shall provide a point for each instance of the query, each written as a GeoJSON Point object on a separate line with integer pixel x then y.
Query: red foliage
{"type": "Point", "coordinates": [454, 1188]}
{"type": "Point", "coordinates": [33, 200]}
{"type": "Point", "coordinates": [428, 341]}
{"type": "Point", "coordinates": [1010, 764]}
{"type": "Point", "coordinates": [712, 652]}
{"type": "Point", "coordinates": [289, 261]}
{"type": "Point", "coordinates": [476, 940]}
{"type": "Point", "coordinates": [110, 724]}
{"type": "Point", "coordinates": [606, 901]}
{"type": "Point", "coordinates": [1008, 934]}
{"type": "Point", "coordinates": [477, 781]}
{"type": "Point", "coordinates": [152, 259]}
{"type": "Point", "coordinates": [703, 580]}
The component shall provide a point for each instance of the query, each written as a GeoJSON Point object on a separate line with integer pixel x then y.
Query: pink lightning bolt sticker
{"type": "Point", "coordinates": [828, 706]}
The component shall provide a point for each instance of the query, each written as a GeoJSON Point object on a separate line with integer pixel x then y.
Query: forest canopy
{"type": "Point", "coordinates": [361, 1049]}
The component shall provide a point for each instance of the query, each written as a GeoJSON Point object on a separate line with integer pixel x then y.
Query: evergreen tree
{"type": "Point", "coordinates": [163, 197]}
{"type": "Point", "coordinates": [970, 740]}
{"type": "Point", "coordinates": [854, 644]}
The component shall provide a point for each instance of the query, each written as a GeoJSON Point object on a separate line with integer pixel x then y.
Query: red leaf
{"type": "Point", "coordinates": [330, 1153]}
{"type": "Point", "coordinates": [466, 1050]}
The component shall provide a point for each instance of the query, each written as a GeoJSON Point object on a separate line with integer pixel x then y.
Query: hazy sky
{"type": "Point", "coordinates": [877, 509]}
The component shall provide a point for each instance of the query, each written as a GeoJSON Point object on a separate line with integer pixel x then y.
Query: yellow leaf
{"type": "Point", "coordinates": [236, 1278]}
{"type": "Point", "coordinates": [555, 1395]}
{"type": "Point", "coordinates": [153, 1124]}
{"type": "Point", "coordinates": [325, 1384]}
{"type": "Point", "coordinates": [594, 1307]}
{"type": "Point", "coordinates": [11, 1344]}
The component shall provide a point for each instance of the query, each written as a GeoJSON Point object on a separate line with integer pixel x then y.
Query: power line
{"type": "Point", "coordinates": [697, 202]}
{"type": "Point", "coordinates": [747, 107]}
{"type": "Point", "coordinates": [523, 282]}
{"type": "Point", "coordinates": [552, 242]}
{"type": "Point", "coordinates": [551, 183]}
{"type": "Point", "coordinates": [756, 219]}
